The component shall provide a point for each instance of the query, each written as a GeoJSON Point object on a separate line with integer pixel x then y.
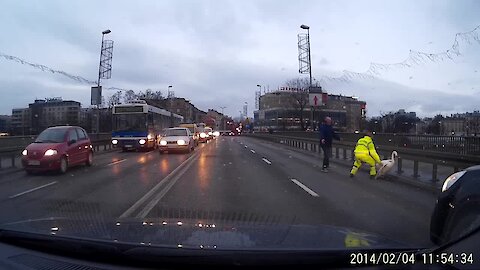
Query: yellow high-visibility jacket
{"type": "Point", "coordinates": [365, 146]}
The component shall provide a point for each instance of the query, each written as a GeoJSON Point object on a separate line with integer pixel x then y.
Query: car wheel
{"type": "Point", "coordinates": [63, 165]}
{"type": "Point", "coordinates": [89, 161]}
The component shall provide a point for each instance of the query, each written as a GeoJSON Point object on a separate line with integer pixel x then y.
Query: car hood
{"type": "Point", "coordinates": [42, 146]}
{"type": "Point", "coordinates": [195, 234]}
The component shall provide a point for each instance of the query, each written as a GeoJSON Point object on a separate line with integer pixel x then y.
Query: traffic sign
{"type": "Point", "coordinates": [315, 100]}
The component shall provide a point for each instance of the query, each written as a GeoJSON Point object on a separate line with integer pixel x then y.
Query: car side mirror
{"type": "Point", "coordinates": [72, 141]}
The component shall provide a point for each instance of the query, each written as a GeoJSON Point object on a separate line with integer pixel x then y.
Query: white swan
{"type": "Point", "coordinates": [386, 165]}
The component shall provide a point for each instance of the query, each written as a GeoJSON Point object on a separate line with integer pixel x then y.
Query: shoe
{"type": "Point", "coordinates": [352, 175]}
{"type": "Point", "coordinates": [325, 170]}
{"type": "Point", "coordinates": [372, 177]}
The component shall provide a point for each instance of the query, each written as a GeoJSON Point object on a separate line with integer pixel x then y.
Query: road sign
{"type": "Point", "coordinates": [315, 100]}
{"type": "Point", "coordinates": [96, 95]}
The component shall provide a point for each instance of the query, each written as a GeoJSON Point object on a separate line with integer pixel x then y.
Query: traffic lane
{"type": "Point", "coordinates": [229, 183]}
{"type": "Point", "coordinates": [100, 192]}
{"type": "Point", "coordinates": [316, 159]}
{"type": "Point", "coordinates": [19, 181]}
{"type": "Point", "coordinates": [382, 207]}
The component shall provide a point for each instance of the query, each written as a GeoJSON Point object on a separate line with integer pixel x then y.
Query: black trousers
{"type": "Point", "coordinates": [327, 154]}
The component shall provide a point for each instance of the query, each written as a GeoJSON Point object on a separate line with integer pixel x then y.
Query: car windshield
{"type": "Point", "coordinates": [241, 125]}
{"type": "Point", "coordinates": [175, 132]}
{"type": "Point", "coordinates": [51, 136]}
{"type": "Point", "coordinates": [129, 122]}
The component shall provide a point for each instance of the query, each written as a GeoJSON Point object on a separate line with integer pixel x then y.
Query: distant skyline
{"type": "Point", "coordinates": [214, 53]}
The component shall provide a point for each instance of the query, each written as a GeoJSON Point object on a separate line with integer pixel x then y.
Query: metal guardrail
{"type": "Point", "coordinates": [438, 143]}
{"type": "Point", "coordinates": [12, 152]}
{"type": "Point", "coordinates": [344, 150]}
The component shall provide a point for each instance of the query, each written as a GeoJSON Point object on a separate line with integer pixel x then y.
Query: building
{"type": "Point", "coordinates": [289, 110]}
{"type": "Point", "coordinates": [453, 126]}
{"type": "Point", "coordinates": [400, 121]}
{"type": "Point", "coordinates": [21, 121]}
{"type": "Point", "coordinates": [53, 112]}
{"type": "Point", "coordinates": [5, 121]}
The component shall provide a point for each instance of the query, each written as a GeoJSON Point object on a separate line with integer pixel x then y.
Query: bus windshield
{"type": "Point", "coordinates": [129, 122]}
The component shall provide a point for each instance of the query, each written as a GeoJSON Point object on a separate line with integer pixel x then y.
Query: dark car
{"type": "Point", "coordinates": [58, 148]}
{"type": "Point", "coordinates": [457, 211]}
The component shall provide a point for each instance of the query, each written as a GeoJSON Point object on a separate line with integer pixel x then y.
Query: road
{"type": "Point", "coordinates": [230, 178]}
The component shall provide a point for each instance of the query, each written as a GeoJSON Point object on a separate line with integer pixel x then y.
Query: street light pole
{"type": "Point", "coordinates": [97, 128]}
{"type": "Point", "coordinates": [223, 117]}
{"type": "Point", "coordinates": [306, 27]}
{"type": "Point", "coordinates": [170, 98]}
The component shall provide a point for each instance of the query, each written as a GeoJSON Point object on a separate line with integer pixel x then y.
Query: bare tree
{"type": "Point", "coordinates": [129, 96]}
{"type": "Point", "coordinates": [299, 94]}
{"type": "Point", "coordinates": [115, 99]}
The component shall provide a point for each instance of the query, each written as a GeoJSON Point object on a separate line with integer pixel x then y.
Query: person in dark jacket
{"type": "Point", "coordinates": [327, 134]}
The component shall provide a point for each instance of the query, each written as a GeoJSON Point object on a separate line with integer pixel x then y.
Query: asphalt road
{"type": "Point", "coordinates": [231, 178]}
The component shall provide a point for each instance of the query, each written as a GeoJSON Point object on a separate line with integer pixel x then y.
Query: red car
{"type": "Point", "coordinates": [58, 148]}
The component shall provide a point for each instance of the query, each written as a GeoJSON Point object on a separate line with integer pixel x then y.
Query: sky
{"type": "Point", "coordinates": [214, 53]}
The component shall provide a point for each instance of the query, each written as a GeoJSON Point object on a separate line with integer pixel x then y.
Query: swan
{"type": "Point", "coordinates": [386, 165]}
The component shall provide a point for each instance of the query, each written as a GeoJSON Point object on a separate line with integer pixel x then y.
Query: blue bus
{"type": "Point", "coordinates": [137, 125]}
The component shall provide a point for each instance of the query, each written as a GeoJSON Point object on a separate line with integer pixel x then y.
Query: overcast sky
{"type": "Point", "coordinates": [214, 53]}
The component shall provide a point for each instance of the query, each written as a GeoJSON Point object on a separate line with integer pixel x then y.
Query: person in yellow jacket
{"type": "Point", "coordinates": [365, 152]}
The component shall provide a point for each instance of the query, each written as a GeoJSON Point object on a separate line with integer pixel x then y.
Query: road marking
{"type": "Point", "coordinates": [116, 162]}
{"type": "Point", "coordinates": [267, 161]}
{"type": "Point", "coordinates": [161, 194]}
{"type": "Point", "coordinates": [253, 151]}
{"type": "Point", "coordinates": [149, 194]}
{"type": "Point", "coordinates": [311, 192]}
{"type": "Point", "coordinates": [246, 146]}
{"type": "Point", "coordinates": [32, 190]}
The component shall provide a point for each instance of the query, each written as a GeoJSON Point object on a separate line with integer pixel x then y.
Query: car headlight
{"type": "Point", "coordinates": [216, 133]}
{"type": "Point", "coordinates": [114, 141]}
{"type": "Point", "coordinates": [203, 135]}
{"type": "Point", "coordinates": [181, 142]}
{"type": "Point", "coordinates": [149, 136]}
{"type": "Point", "coordinates": [50, 152]}
{"type": "Point", "coordinates": [210, 133]}
{"type": "Point", "coordinates": [142, 141]}
{"type": "Point", "coordinates": [24, 152]}
{"type": "Point", "coordinates": [163, 142]}
{"type": "Point", "coordinates": [451, 180]}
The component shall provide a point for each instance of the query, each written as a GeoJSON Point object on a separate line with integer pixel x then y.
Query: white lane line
{"type": "Point", "coordinates": [311, 192]}
{"type": "Point", "coordinates": [116, 162]}
{"type": "Point", "coordinates": [142, 214]}
{"type": "Point", "coordinates": [32, 190]}
{"type": "Point", "coordinates": [149, 194]}
{"type": "Point", "coordinates": [253, 151]}
{"type": "Point", "coordinates": [266, 161]}
{"type": "Point", "coordinates": [246, 146]}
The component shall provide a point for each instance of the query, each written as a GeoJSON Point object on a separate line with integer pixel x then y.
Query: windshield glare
{"type": "Point", "coordinates": [51, 136]}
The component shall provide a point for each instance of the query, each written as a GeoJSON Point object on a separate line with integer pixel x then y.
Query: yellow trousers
{"type": "Point", "coordinates": [362, 157]}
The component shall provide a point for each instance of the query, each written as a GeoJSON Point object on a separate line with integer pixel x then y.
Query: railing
{"type": "Point", "coordinates": [437, 143]}
{"type": "Point", "coordinates": [344, 150]}
{"type": "Point", "coordinates": [11, 147]}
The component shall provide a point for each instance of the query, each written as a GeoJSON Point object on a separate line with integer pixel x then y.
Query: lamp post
{"type": "Point", "coordinates": [106, 32]}
{"type": "Point", "coordinates": [306, 27]}
{"type": "Point", "coordinates": [223, 117]}
{"type": "Point", "coordinates": [170, 106]}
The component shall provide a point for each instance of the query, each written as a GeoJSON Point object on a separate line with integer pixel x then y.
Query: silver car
{"type": "Point", "coordinates": [176, 139]}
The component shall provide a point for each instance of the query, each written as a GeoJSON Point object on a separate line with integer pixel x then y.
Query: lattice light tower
{"type": "Point", "coordinates": [304, 57]}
